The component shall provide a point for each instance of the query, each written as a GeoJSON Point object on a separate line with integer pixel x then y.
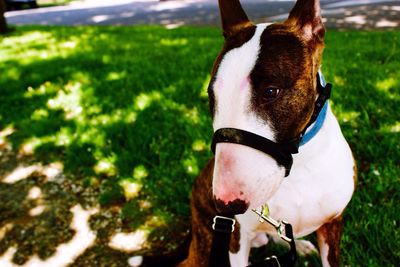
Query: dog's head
{"type": "Point", "coordinates": [264, 82]}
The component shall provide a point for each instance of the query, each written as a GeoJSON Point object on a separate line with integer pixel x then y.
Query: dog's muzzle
{"type": "Point", "coordinates": [282, 153]}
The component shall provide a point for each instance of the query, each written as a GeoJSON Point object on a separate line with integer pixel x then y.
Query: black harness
{"type": "Point", "coordinates": [282, 153]}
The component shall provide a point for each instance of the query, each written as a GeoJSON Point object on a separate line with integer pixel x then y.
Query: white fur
{"type": "Point", "coordinates": [323, 250]}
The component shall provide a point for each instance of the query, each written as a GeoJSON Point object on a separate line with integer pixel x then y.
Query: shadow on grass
{"type": "Point", "coordinates": [115, 120]}
{"type": "Point", "coordinates": [120, 115]}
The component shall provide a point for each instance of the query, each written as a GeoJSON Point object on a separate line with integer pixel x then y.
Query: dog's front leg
{"type": "Point", "coordinates": [240, 258]}
{"type": "Point", "coordinates": [329, 236]}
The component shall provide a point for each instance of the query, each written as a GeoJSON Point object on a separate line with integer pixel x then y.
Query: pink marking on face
{"type": "Point", "coordinates": [245, 83]}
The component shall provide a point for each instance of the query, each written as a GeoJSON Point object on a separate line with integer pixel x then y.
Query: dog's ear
{"type": "Point", "coordinates": [233, 17]}
{"type": "Point", "coordinates": [306, 17]}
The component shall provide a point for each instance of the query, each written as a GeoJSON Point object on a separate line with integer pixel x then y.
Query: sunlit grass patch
{"type": "Point", "coordinates": [123, 111]}
{"type": "Point", "coordinates": [36, 45]}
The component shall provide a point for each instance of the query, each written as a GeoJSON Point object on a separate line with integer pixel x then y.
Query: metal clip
{"type": "Point", "coordinates": [278, 225]}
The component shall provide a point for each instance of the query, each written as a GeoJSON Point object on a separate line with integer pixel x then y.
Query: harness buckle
{"type": "Point", "coordinates": [223, 224]}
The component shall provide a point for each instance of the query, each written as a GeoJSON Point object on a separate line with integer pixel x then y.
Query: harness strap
{"type": "Point", "coordinates": [223, 227]}
{"type": "Point", "coordinates": [282, 153]}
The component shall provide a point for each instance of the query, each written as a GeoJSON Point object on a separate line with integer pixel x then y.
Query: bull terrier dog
{"type": "Point", "coordinates": [264, 88]}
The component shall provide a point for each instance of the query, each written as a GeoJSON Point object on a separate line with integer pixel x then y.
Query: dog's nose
{"type": "Point", "coordinates": [231, 208]}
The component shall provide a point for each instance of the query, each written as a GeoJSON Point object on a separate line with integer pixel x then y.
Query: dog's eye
{"type": "Point", "coordinates": [270, 93]}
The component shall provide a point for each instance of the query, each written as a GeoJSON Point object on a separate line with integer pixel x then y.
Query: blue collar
{"type": "Point", "coordinates": [310, 133]}
{"type": "Point", "coordinates": [319, 122]}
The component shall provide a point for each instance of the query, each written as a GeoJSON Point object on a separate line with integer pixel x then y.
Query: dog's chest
{"type": "Point", "coordinates": [320, 185]}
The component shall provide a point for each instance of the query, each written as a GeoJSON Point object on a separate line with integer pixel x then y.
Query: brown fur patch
{"type": "Point", "coordinates": [330, 233]}
{"type": "Point", "coordinates": [284, 62]}
{"type": "Point", "coordinates": [233, 17]}
{"type": "Point", "coordinates": [289, 60]}
{"type": "Point", "coordinates": [234, 245]}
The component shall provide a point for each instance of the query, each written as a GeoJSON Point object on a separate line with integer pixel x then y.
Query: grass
{"type": "Point", "coordinates": [47, 3]}
{"type": "Point", "coordinates": [123, 112]}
